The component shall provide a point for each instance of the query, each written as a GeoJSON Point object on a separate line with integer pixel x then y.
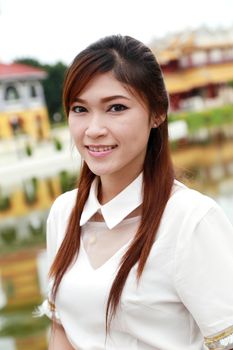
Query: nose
{"type": "Point", "coordinates": [96, 127]}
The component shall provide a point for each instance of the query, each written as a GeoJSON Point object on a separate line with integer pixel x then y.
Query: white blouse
{"type": "Point", "coordinates": [184, 294]}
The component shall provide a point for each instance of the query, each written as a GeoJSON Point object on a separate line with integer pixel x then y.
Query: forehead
{"type": "Point", "coordinates": [103, 85]}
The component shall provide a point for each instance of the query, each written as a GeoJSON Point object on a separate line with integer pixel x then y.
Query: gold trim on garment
{"type": "Point", "coordinates": [221, 341]}
{"type": "Point", "coordinates": [52, 306]}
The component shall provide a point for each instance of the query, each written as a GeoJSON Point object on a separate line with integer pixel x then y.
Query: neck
{"type": "Point", "coordinates": [111, 186]}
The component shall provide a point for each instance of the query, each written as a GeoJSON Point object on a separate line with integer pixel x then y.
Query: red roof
{"type": "Point", "coordinates": [18, 70]}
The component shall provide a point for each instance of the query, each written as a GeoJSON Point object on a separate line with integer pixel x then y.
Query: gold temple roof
{"type": "Point", "coordinates": [185, 80]}
{"type": "Point", "coordinates": [174, 46]}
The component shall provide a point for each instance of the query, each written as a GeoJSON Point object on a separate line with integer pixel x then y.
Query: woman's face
{"type": "Point", "coordinates": [110, 127]}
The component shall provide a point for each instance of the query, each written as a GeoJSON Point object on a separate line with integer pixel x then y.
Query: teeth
{"type": "Point", "coordinates": [101, 149]}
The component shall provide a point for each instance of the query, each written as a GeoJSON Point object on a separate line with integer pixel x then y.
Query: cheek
{"type": "Point", "coordinates": [74, 127]}
{"type": "Point", "coordinates": [138, 131]}
{"type": "Point", "coordinates": [70, 125]}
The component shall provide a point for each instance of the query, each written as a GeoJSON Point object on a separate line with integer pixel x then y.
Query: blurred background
{"type": "Point", "coordinates": [193, 42]}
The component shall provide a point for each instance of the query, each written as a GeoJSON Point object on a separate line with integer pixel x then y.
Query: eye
{"type": "Point", "coordinates": [117, 108]}
{"type": "Point", "coordinates": [78, 109]}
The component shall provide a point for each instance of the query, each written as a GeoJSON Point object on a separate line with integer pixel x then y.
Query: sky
{"type": "Point", "coordinates": [57, 30]}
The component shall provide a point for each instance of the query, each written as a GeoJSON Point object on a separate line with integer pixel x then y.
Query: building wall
{"type": "Point", "coordinates": [23, 109]}
{"type": "Point", "coordinates": [34, 122]}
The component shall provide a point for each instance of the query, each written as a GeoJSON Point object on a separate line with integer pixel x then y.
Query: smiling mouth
{"type": "Point", "coordinates": [100, 148]}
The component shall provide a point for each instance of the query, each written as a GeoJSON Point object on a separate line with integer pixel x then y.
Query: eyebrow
{"type": "Point", "coordinates": [104, 99]}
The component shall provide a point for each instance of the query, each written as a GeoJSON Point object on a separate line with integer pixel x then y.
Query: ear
{"type": "Point", "coordinates": [156, 121]}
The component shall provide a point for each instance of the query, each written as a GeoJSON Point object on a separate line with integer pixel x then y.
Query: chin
{"type": "Point", "coordinates": [101, 171]}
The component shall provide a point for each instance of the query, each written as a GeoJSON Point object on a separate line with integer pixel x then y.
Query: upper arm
{"type": "Point", "coordinates": [204, 273]}
{"type": "Point", "coordinates": [58, 339]}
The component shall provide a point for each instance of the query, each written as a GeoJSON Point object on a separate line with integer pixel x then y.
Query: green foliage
{"type": "Point", "coordinates": [49, 184]}
{"type": "Point", "coordinates": [30, 190]}
{"type": "Point", "coordinates": [67, 181]}
{"type": "Point", "coordinates": [53, 87]}
{"type": "Point", "coordinates": [34, 236]}
{"type": "Point", "coordinates": [36, 229]}
{"type": "Point", "coordinates": [29, 61]}
{"type": "Point", "coordinates": [22, 323]}
{"type": "Point", "coordinates": [28, 150]}
{"type": "Point", "coordinates": [57, 144]}
{"type": "Point", "coordinates": [9, 287]}
{"type": "Point", "coordinates": [8, 234]}
{"type": "Point", "coordinates": [209, 118]}
{"type": "Point", "coordinates": [35, 239]}
{"type": "Point", "coordinates": [5, 203]}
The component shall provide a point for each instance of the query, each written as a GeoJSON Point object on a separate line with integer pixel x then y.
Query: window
{"type": "Point", "coordinates": [33, 92]}
{"type": "Point", "coordinates": [199, 58]}
{"type": "Point", "coordinates": [184, 61]}
{"type": "Point", "coordinates": [228, 54]}
{"type": "Point", "coordinates": [11, 93]}
{"type": "Point", "coordinates": [216, 55]}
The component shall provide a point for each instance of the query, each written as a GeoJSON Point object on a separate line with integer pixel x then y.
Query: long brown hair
{"type": "Point", "coordinates": [133, 64]}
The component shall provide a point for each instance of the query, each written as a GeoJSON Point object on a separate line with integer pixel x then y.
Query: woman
{"type": "Point", "coordinates": [138, 260]}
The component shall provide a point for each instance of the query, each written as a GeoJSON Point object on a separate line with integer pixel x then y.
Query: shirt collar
{"type": "Point", "coordinates": [116, 209]}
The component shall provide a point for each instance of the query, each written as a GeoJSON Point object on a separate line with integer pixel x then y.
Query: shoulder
{"type": "Point", "coordinates": [193, 212]}
{"type": "Point", "coordinates": [63, 204]}
{"type": "Point", "coordinates": [57, 222]}
{"type": "Point", "coordinates": [58, 219]}
{"type": "Point", "coordinates": [190, 202]}
{"type": "Point", "coordinates": [186, 208]}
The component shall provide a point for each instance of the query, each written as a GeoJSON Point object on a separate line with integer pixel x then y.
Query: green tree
{"type": "Point", "coordinates": [53, 88]}
{"type": "Point", "coordinates": [29, 61]}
